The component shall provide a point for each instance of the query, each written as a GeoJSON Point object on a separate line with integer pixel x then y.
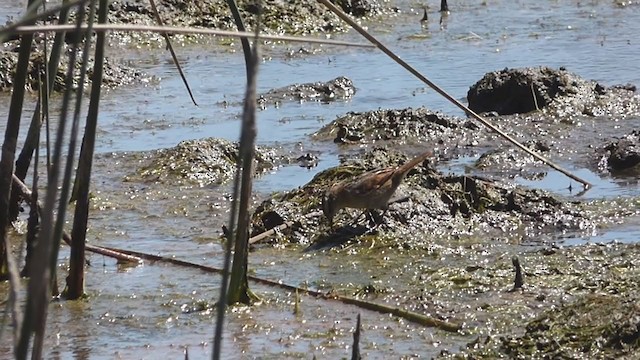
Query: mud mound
{"type": "Point", "coordinates": [114, 74]}
{"type": "Point", "coordinates": [434, 206]}
{"type": "Point", "coordinates": [516, 91]}
{"type": "Point", "coordinates": [340, 88]}
{"type": "Point", "coordinates": [407, 125]}
{"type": "Point", "coordinates": [623, 155]}
{"type": "Point", "coordinates": [278, 17]}
{"type": "Point", "coordinates": [203, 162]}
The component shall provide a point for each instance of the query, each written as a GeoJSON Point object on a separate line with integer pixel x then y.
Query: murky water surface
{"type": "Point", "coordinates": [148, 311]}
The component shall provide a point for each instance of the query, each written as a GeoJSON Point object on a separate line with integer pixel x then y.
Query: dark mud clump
{"type": "Point", "coordinates": [340, 88]}
{"type": "Point", "coordinates": [278, 17]}
{"type": "Point", "coordinates": [434, 206]}
{"type": "Point", "coordinates": [517, 91]}
{"type": "Point", "coordinates": [114, 74]}
{"type": "Point", "coordinates": [203, 162]}
{"type": "Point", "coordinates": [570, 109]}
{"type": "Point", "coordinates": [622, 156]}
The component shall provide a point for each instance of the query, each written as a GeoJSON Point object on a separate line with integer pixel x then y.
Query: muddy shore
{"type": "Point", "coordinates": [445, 248]}
{"type": "Point", "coordinates": [475, 225]}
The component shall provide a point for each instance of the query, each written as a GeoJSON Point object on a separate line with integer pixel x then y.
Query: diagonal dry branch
{"type": "Point", "coordinates": [173, 53]}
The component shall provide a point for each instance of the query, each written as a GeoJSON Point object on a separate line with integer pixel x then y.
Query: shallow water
{"type": "Point", "coordinates": [142, 312]}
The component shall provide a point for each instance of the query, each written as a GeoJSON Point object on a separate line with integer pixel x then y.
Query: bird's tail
{"type": "Point", "coordinates": [415, 162]}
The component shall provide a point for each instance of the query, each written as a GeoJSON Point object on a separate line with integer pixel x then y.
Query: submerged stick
{"type": "Point", "coordinates": [518, 281]}
{"type": "Point", "coordinates": [275, 229]}
{"type": "Point", "coordinates": [440, 91]}
{"type": "Point", "coordinates": [414, 317]}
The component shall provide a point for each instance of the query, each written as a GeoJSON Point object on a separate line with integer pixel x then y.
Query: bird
{"type": "Point", "coordinates": [370, 190]}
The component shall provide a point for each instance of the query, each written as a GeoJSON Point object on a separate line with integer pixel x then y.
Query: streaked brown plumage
{"type": "Point", "coordinates": [371, 190]}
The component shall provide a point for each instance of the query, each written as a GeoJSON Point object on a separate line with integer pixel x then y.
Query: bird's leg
{"type": "Point", "coordinates": [375, 218]}
{"type": "Point", "coordinates": [357, 218]}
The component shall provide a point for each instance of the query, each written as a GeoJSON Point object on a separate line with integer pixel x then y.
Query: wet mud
{"type": "Point", "coordinates": [338, 89]}
{"type": "Point", "coordinates": [114, 73]}
{"type": "Point", "coordinates": [578, 302]}
{"type": "Point", "coordinates": [203, 162]}
{"type": "Point", "coordinates": [290, 18]}
{"type": "Point", "coordinates": [522, 90]}
{"type": "Point", "coordinates": [445, 245]}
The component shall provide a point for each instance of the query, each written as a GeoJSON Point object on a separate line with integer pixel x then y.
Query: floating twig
{"type": "Point", "coordinates": [271, 232]}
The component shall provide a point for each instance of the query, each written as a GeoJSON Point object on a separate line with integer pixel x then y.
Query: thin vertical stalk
{"type": "Point", "coordinates": [13, 299]}
{"type": "Point", "coordinates": [24, 159]}
{"type": "Point", "coordinates": [10, 143]}
{"type": "Point", "coordinates": [244, 172]}
{"type": "Point", "coordinates": [246, 48]}
{"type": "Point", "coordinates": [45, 254]}
{"type": "Point", "coordinates": [238, 285]}
{"type": "Point", "coordinates": [75, 282]}
{"type": "Point", "coordinates": [33, 223]}
{"type": "Point", "coordinates": [67, 183]}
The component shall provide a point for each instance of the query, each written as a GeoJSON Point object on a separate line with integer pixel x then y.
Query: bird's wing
{"type": "Point", "coordinates": [371, 181]}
